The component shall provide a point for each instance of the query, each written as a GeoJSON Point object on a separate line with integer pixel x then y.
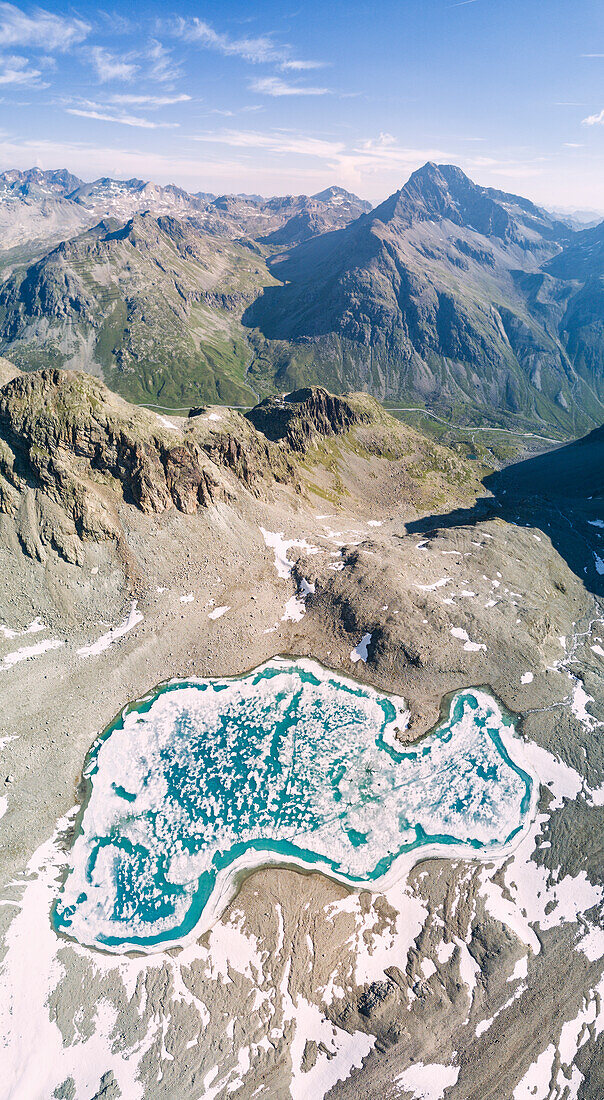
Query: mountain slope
{"type": "Point", "coordinates": [283, 220]}
{"type": "Point", "coordinates": [72, 453]}
{"type": "Point", "coordinates": [108, 197]}
{"type": "Point", "coordinates": [431, 297]}
{"type": "Point", "coordinates": [39, 181]}
{"type": "Point", "coordinates": [153, 305]}
{"type": "Point", "coordinates": [468, 300]}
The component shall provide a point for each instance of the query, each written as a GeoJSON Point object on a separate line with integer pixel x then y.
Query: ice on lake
{"type": "Point", "coordinates": [291, 763]}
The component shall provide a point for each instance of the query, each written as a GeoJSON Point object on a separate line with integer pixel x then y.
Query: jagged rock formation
{"type": "Point", "coordinates": [73, 455]}
{"type": "Point", "coordinates": [300, 416]}
{"type": "Point", "coordinates": [71, 452]}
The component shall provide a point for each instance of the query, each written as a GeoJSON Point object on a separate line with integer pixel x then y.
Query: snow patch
{"type": "Point", "coordinates": [359, 653]}
{"type": "Point", "coordinates": [34, 628]}
{"type": "Point", "coordinates": [471, 647]}
{"type": "Point", "coordinates": [427, 1082]}
{"type": "Point", "coordinates": [26, 652]}
{"type": "Point", "coordinates": [277, 542]}
{"type": "Point", "coordinates": [112, 635]}
{"type": "Point", "coordinates": [218, 611]}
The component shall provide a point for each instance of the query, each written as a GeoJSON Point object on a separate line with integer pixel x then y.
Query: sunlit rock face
{"type": "Point", "coordinates": [291, 763]}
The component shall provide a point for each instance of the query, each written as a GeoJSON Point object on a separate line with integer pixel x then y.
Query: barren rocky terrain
{"type": "Point", "coordinates": [136, 547]}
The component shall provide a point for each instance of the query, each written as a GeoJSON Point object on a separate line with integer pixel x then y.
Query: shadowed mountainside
{"type": "Point", "coordinates": [561, 492]}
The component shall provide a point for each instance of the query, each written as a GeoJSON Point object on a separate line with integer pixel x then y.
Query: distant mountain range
{"type": "Point", "coordinates": [469, 300]}
{"type": "Point", "coordinates": [46, 206]}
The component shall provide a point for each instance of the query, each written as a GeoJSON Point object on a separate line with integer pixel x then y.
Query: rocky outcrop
{"type": "Point", "coordinates": [77, 452]}
{"type": "Point", "coordinates": [298, 417]}
{"type": "Point", "coordinates": [63, 428]}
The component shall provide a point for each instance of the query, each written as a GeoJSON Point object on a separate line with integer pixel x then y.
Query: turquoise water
{"type": "Point", "coordinates": [291, 761]}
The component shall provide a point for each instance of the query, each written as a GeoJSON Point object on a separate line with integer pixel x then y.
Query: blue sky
{"type": "Point", "coordinates": [277, 97]}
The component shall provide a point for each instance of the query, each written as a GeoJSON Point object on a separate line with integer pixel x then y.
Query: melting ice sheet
{"type": "Point", "coordinates": [290, 764]}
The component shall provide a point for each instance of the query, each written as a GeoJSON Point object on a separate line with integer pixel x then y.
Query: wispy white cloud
{"type": "Point", "coordinates": [301, 66]}
{"type": "Point", "coordinates": [42, 29]}
{"type": "Point", "coordinates": [258, 50]}
{"type": "Point", "coordinates": [150, 101]}
{"type": "Point", "coordinates": [90, 161]}
{"type": "Point", "coordinates": [594, 120]}
{"type": "Point", "coordinates": [118, 24]}
{"type": "Point", "coordinates": [373, 157]}
{"type": "Point", "coordinates": [372, 168]}
{"type": "Point", "coordinates": [277, 141]}
{"type": "Point", "coordinates": [163, 67]}
{"type": "Point", "coordinates": [123, 120]}
{"type": "Point", "coordinates": [15, 69]}
{"type": "Point", "coordinates": [515, 171]}
{"type": "Point", "coordinates": [111, 66]}
{"type": "Point", "coordinates": [275, 86]}
{"type": "Point", "coordinates": [153, 62]}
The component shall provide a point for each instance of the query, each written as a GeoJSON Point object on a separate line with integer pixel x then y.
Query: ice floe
{"type": "Point", "coordinates": [461, 785]}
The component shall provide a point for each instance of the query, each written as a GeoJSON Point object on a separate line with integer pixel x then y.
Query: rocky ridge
{"type": "Point", "coordinates": [299, 417]}
{"type": "Point", "coordinates": [71, 453]}
{"type": "Point", "coordinates": [80, 449]}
